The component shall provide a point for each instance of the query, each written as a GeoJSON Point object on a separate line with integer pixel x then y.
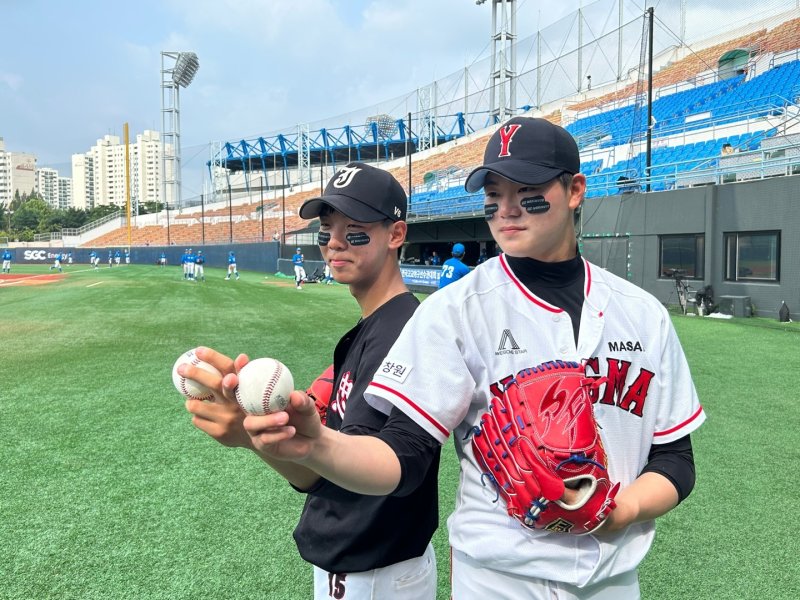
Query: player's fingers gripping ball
{"type": "Point", "coordinates": [541, 438]}
{"type": "Point", "coordinates": [189, 387]}
{"type": "Point", "coordinates": [264, 386]}
{"type": "Point", "coordinates": [320, 391]}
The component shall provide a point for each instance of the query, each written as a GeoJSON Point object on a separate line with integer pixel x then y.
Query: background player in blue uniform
{"type": "Point", "coordinates": [453, 269]}
{"type": "Point", "coordinates": [199, 268]}
{"type": "Point", "coordinates": [365, 542]}
{"type": "Point", "coordinates": [7, 257]}
{"type": "Point", "coordinates": [299, 271]}
{"type": "Point", "coordinates": [232, 265]}
{"type": "Point", "coordinates": [56, 262]}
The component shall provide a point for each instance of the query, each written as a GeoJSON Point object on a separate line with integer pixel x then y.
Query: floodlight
{"type": "Point", "coordinates": [386, 124]}
{"type": "Point", "coordinates": [185, 68]}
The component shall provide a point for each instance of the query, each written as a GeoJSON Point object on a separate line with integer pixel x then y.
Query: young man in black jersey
{"type": "Point", "coordinates": [366, 539]}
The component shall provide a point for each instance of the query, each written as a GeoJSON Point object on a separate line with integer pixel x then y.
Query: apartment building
{"type": "Point", "coordinates": [17, 173]}
{"type": "Point", "coordinates": [98, 176]}
{"type": "Point", "coordinates": [47, 185]}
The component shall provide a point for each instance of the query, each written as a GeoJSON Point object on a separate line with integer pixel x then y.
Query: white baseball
{"type": "Point", "coordinates": [264, 386]}
{"type": "Point", "coordinates": [189, 387]}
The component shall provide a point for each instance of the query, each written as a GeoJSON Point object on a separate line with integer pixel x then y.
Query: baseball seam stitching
{"type": "Point", "coordinates": [195, 362]}
{"type": "Point", "coordinates": [273, 381]}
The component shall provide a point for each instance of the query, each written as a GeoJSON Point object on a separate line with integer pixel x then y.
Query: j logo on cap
{"type": "Point", "coordinates": [345, 177]}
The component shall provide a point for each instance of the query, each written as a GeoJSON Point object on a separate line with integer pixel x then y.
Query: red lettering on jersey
{"type": "Point", "coordinates": [593, 364]}
{"type": "Point", "coordinates": [634, 397]}
{"type": "Point", "coordinates": [506, 133]}
{"type": "Point", "coordinates": [339, 400]}
{"type": "Point", "coordinates": [498, 387]}
{"type": "Point", "coordinates": [617, 373]}
{"type": "Point", "coordinates": [637, 393]}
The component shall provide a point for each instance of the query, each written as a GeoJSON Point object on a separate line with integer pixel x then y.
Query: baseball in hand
{"type": "Point", "coordinates": [189, 387]}
{"type": "Point", "coordinates": [264, 386]}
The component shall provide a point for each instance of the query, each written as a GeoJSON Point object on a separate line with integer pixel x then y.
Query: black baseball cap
{"type": "Point", "coordinates": [527, 150]}
{"type": "Point", "coordinates": [361, 192]}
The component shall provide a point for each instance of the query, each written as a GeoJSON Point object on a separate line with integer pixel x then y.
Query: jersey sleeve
{"type": "Point", "coordinates": [679, 412]}
{"type": "Point", "coordinates": [425, 374]}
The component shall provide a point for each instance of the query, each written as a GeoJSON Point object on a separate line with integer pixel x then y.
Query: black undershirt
{"type": "Point", "coordinates": [561, 284]}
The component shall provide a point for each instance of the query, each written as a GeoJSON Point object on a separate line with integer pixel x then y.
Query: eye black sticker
{"type": "Point", "coordinates": [489, 210]}
{"type": "Point", "coordinates": [323, 237]}
{"type": "Point", "coordinates": [357, 239]}
{"type": "Point", "coordinates": [535, 205]}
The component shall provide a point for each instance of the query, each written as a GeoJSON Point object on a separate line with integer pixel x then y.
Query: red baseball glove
{"type": "Point", "coordinates": [541, 438]}
{"type": "Point", "coordinates": [320, 391]}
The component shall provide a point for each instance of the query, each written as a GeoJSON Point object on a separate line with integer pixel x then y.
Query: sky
{"type": "Point", "coordinates": [72, 72]}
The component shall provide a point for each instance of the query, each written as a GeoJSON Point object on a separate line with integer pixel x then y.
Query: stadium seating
{"type": "Point", "coordinates": [695, 116]}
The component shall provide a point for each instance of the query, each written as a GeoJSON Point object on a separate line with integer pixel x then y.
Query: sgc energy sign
{"type": "Point", "coordinates": [38, 255]}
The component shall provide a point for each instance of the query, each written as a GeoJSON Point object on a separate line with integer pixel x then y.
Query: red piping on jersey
{"type": "Point", "coordinates": [680, 425]}
{"type": "Point", "coordinates": [588, 276]}
{"type": "Point", "coordinates": [430, 419]}
{"type": "Point", "coordinates": [534, 299]}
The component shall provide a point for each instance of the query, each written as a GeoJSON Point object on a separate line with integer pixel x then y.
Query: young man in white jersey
{"type": "Point", "coordinates": [541, 301]}
{"type": "Point", "coordinates": [365, 541]}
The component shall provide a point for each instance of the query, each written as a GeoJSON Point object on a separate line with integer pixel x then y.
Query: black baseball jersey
{"type": "Point", "coordinates": [344, 532]}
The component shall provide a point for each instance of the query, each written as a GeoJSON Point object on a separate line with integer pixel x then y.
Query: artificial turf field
{"type": "Point", "coordinates": [108, 491]}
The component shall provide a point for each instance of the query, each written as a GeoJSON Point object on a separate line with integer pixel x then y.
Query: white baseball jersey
{"type": "Point", "coordinates": [465, 341]}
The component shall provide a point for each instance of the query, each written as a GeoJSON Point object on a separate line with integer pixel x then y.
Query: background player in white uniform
{"type": "Point", "coordinates": [327, 278]}
{"type": "Point", "coordinates": [371, 542]}
{"type": "Point", "coordinates": [7, 257]}
{"type": "Point", "coordinates": [299, 271]}
{"type": "Point", "coordinates": [540, 301]}
{"type": "Point", "coordinates": [453, 269]}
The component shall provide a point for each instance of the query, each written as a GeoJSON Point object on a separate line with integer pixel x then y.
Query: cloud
{"type": "Point", "coordinates": [12, 80]}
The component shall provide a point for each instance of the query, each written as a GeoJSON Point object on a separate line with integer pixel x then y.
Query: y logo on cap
{"type": "Point", "coordinates": [506, 133]}
{"type": "Point", "coordinates": [345, 177]}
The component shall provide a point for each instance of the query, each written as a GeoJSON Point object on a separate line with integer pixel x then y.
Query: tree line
{"type": "Point", "coordinates": [29, 214]}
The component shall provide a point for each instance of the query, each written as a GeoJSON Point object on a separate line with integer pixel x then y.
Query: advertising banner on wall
{"type": "Point", "coordinates": [421, 278]}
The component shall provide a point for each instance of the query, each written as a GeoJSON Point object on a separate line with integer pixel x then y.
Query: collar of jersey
{"type": "Point", "coordinates": [535, 299]}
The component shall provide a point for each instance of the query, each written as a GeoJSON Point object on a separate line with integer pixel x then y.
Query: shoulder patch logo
{"type": "Point", "coordinates": [508, 345]}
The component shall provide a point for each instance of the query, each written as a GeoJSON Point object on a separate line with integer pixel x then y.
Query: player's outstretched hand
{"type": "Point", "coordinates": [288, 435]}
{"type": "Point", "coordinates": [222, 419]}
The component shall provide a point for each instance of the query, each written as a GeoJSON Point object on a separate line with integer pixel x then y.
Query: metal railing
{"type": "Point", "coordinates": [73, 231]}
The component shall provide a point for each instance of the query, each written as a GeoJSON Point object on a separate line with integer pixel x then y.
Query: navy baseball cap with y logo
{"type": "Point", "coordinates": [362, 193]}
{"type": "Point", "coordinates": [527, 150]}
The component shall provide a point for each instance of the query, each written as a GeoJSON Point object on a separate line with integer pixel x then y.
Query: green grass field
{"type": "Point", "coordinates": [108, 491]}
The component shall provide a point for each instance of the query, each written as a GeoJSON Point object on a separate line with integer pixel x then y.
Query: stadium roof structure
{"type": "Point", "coordinates": [379, 138]}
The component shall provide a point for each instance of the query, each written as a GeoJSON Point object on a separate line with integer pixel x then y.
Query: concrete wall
{"type": "Point", "coordinates": [621, 233]}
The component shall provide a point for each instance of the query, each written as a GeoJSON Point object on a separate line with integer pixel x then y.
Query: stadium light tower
{"type": "Point", "coordinates": [177, 70]}
{"type": "Point", "coordinates": [503, 75]}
